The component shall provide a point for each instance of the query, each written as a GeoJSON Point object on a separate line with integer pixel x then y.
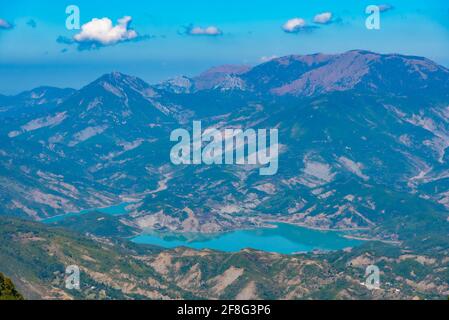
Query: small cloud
{"type": "Point", "coordinates": [268, 58]}
{"type": "Point", "coordinates": [385, 7]}
{"type": "Point", "coordinates": [212, 31]}
{"type": "Point", "coordinates": [64, 40]}
{"type": "Point", "coordinates": [99, 33]}
{"type": "Point", "coordinates": [323, 18]}
{"type": "Point", "coordinates": [5, 25]}
{"type": "Point", "coordinates": [296, 25]}
{"type": "Point", "coordinates": [293, 25]}
{"type": "Point", "coordinates": [32, 23]}
{"type": "Point", "coordinates": [103, 32]}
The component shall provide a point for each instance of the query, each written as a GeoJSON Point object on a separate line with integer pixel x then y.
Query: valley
{"type": "Point", "coordinates": [360, 152]}
{"type": "Point", "coordinates": [346, 151]}
{"type": "Point", "coordinates": [268, 236]}
{"type": "Point", "coordinates": [35, 255]}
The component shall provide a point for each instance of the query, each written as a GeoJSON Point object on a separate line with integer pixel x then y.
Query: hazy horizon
{"type": "Point", "coordinates": [37, 49]}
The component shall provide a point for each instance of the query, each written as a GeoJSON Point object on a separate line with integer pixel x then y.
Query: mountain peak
{"type": "Point", "coordinates": [215, 76]}
{"type": "Point", "coordinates": [309, 59]}
{"type": "Point", "coordinates": [42, 91]}
{"type": "Point", "coordinates": [118, 83]}
{"type": "Point", "coordinates": [307, 75]}
{"type": "Point", "coordinates": [115, 77]}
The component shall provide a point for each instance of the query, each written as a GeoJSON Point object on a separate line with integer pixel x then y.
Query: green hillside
{"type": "Point", "coordinates": [7, 289]}
{"type": "Point", "coordinates": [35, 256]}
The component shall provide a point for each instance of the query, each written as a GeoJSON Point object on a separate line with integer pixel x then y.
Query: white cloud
{"type": "Point", "coordinates": [323, 18]}
{"type": "Point", "coordinates": [5, 24]}
{"type": "Point", "coordinates": [200, 31]}
{"type": "Point", "coordinates": [103, 32]}
{"type": "Point", "coordinates": [294, 25]}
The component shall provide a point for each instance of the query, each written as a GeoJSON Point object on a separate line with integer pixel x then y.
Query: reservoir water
{"type": "Point", "coordinates": [116, 210]}
{"type": "Point", "coordinates": [282, 238]}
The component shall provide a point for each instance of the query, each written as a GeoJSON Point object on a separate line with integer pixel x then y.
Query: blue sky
{"type": "Point", "coordinates": [250, 31]}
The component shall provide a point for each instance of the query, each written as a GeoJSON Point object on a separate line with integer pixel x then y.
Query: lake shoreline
{"type": "Point", "coordinates": [281, 238]}
{"type": "Point", "coordinates": [265, 234]}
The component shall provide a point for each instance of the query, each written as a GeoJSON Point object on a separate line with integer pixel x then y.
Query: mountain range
{"type": "Point", "coordinates": [358, 131]}
{"type": "Point", "coordinates": [363, 139]}
{"type": "Point", "coordinates": [35, 257]}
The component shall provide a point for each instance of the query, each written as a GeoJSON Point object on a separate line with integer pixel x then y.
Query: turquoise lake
{"type": "Point", "coordinates": [282, 238]}
{"type": "Point", "coordinates": [117, 210]}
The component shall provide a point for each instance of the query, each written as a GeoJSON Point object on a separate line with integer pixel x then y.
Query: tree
{"type": "Point", "coordinates": [7, 289]}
